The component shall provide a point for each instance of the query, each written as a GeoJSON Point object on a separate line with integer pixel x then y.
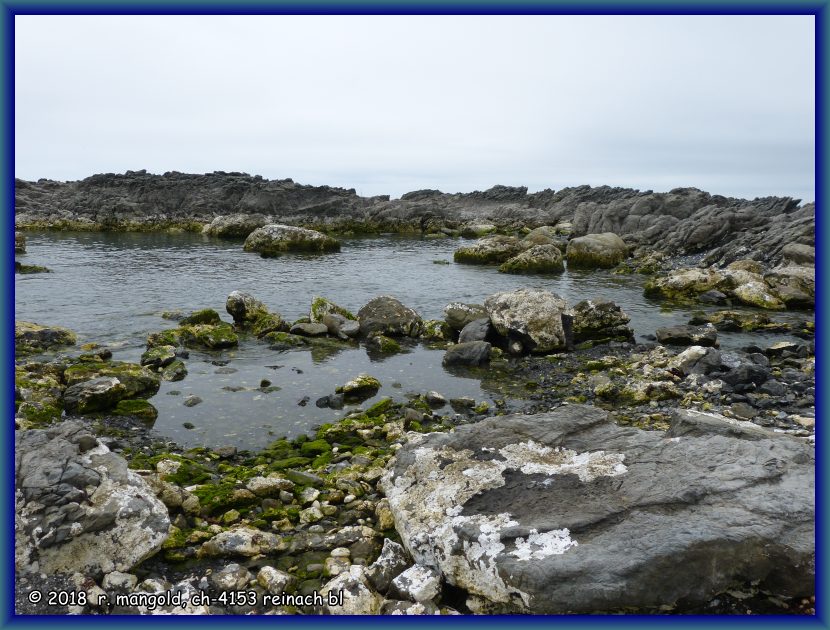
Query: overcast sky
{"type": "Point", "coordinates": [388, 104]}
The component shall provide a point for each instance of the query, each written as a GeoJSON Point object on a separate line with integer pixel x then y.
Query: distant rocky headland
{"type": "Point", "coordinates": [681, 221]}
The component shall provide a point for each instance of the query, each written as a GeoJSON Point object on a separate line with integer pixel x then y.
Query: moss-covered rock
{"type": "Point", "coordinates": [684, 285]}
{"type": "Point", "coordinates": [138, 380]}
{"type": "Point", "coordinates": [359, 388]}
{"type": "Point", "coordinates": [30, 338]}
{"type": "Point", "coordinates": [382, 344]}
{"type": "Point", "coordinates": [490, 250]}
{"type": "Point", "coordinates": [169, 337]}
{"type": "Point", "coordinates": [320, 307]}
{"type": "Point", "coordinates": [537, 259]}
{"type": "Point", "coordinates": [136, 408]}
{"type": "Point", "coordinates": [275, 240]}
{"type": "Point", "coordinates": [176, 371]}
{"type": "Point", "coordinates": [436, 330]}
{"type": "Point", "coordinates": [284, 340]}
{"type": "Point", "coordinates": [19, 267]}
{"type": "Point", "coordinates": [204, 316]}
{"type": "Point", "coordinates": [158, 357]}
{"type": "Point", "coordinates": [210, 336]}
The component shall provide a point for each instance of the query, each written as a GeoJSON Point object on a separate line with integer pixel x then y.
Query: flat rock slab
{"type": "Point", "coordinates": [568, 512]}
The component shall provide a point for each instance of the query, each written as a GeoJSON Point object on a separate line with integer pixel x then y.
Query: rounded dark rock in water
{"type": "Point", "coordinates": [388, 316]}
{"type": "Point", "coordinates": [688, 335]}
{"type": "Point", "coordinates": [19, 243]}
{"type": "Point", "coordinates": [192, 401]}
{"type": "Point", "coordinates": [471, 353]}
{"type": "Point", "coordinates": [549, 505]}
{"type": "Point", "coordinates": [477, 330]}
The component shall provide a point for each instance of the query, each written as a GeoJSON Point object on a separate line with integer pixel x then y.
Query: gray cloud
{"type": "Point", "coordinates": [387, 104]}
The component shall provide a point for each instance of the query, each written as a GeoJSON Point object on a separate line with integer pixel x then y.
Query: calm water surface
{"type": "Point", "coordinates": [112, 288]}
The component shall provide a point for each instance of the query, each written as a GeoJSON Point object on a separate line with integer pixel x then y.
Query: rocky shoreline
{"type": "Point", "coordinates": [667, 477]}
{"type": "Point", "coordinates": [232, 205]}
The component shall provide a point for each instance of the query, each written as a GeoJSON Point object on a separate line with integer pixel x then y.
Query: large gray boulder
{"type": "Point", "coordinates": [568, 512]}
{"type": "Point", "coordinates": [530, 317]}
{"type": "Point", "coordinates": [275, 239]}
{"type": "Point", "coordinates": [78, 508]}
{"type": "Point", "coordinates": [596, 251]}
{"type": "Point", "coordinates": [489, 250]}
{"type": "Point", "coordinates": [235, 225]}
{"type": "Point", "coordinates": [388, 316]}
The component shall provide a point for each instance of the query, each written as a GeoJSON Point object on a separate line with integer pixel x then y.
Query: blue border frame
{"type": "Point", "coordinates": [8, 9]}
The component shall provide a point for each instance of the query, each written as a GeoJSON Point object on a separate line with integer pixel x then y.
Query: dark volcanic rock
{"type": "Point", "coordinates": [568, 512]}
{"type": "Point", "coordinates": [476, 330]}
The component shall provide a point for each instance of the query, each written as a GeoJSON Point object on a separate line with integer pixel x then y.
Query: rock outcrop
{"type": "Point", "coordinates": [683, 220]}
{"type": "Point", "coordinates": [568, 512]}
{"type": "Point", "coordinates": [78, 507]}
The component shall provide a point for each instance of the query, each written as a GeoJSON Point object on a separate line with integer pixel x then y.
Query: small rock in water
{"type": "Point", "coordinates": [225, 370]}
{"type": "Point", "coordinates": [303, 401]}
{"type": "Point", "coordinates": [188, 425]}
{"type": "Point", "coordinates": [264, 382]}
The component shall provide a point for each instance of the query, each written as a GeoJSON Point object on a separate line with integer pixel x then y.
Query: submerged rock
{"type": "Point", "coordinates": [359, 388]}
{"type": "Point", "coordinates": [470, 353]}
{"type": "Point", "coordinates": [596, 251]}
{"type": "Point", "coordinates": [529, 317]}
{"type": "Point", "coordinates": [78, 507]}
{"type": "Point", "coordinates": [30, 337]}
{"type": "Point", "coordinates": [568, 512]}
{"type": "Point", "coordinates": [275, 239]}
{"type": "Point", "coordinates": [388, 316]}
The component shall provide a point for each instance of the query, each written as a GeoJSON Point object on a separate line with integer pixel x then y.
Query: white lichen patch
{"type": "Point", "coordinates": [538, 546]}
{"type": "Point", "coordinates": [533, 458]}
{"type": "Point", "coordinates": [428, 500]}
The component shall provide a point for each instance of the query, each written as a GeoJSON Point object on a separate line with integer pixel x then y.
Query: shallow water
{"type": "Point", "coordinates": [112, 288]}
